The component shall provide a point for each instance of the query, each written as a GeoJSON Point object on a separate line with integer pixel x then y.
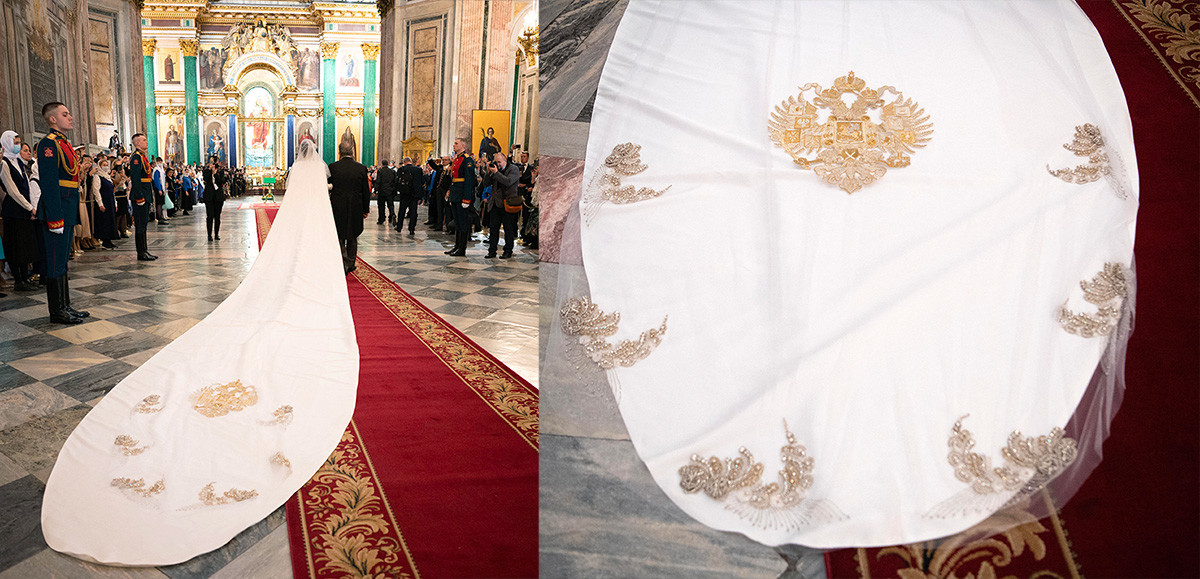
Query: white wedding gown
{"type": "Point", "coordinates": [761, 299]}
{"type": "Point", "coordinates": [219, 428]}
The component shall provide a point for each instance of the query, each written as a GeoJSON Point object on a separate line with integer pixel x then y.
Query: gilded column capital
{"type": "Point", "coordinates": [383, 6]}
{"type": "Point", "coordinates": [148, 47]}
{"type": "Point", "coordinates": [370, 51]}
{"type": "Point", "coordinates": [528, 40]}
{"type": "Point", "coordinates": [329, 50]}
{"type": "Point", "coordinates": [190, 47]}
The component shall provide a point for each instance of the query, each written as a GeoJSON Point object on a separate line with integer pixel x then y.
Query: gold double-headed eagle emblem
{"type": "Point", "coordinates": [851, 148]}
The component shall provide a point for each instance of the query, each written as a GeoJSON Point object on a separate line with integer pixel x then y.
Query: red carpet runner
{"type": "Point", "coordinates": [1138, 514]}
{"type": "Point", "coordinates": [436, 476]}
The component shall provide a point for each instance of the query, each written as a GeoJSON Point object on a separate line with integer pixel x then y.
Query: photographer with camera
{"type": "Point", "coordinates": [504, 205]}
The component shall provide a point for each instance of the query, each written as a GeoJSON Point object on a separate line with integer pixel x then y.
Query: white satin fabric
{"type": "Point", "coordinates": [286, 331]}
{"type": "Point", "coordinates": [870, 321]}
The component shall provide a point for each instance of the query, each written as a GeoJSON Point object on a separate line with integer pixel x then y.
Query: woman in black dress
{"type": "Point", "coordinates": [18, 210]}
{"type": "Point", "coordinates": [104, 217]}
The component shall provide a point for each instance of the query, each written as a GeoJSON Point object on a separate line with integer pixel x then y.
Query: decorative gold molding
{"type": "Point", "coordinates": [231, 109]}
{"type": "Point", "coordinates": [189, 46]}
{"type": "Point", "coordinates": [212, 111]}
{"type": "Point", "coordinates": [370, 51]}
{"type": "Point", "coordinates": [529, 44]}
{"type": "Point", "coordinates": [329, 50]}
{"type": "Point", "coordinates": [148, 47]}
{"type": "Point", "coordinates": [348, 112]}
{"type": "Point", "coordinates": [169, 110]}
{"type": "Point", "coordinates": [290, 110]}
{"type": "Point", "coordinates": [290, 90]}
{"type": "Point", "coordinates": [383, 6]}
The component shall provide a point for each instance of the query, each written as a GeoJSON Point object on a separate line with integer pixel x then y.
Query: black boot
{"type": "Point", "coordinates": [67, 300]}
{"type": "Point", "coordinates": [460, 244]}
{"type": "Point", "coordinates": [54, 300]}
{"type": "Point", "coordinates": [142, 253]}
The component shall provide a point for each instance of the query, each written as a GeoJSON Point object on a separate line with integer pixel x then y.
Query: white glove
{"type": "Point", "coordinates": [57, 230]}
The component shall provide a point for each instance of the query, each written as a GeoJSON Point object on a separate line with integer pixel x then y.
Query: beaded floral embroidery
{"type": "Point", "coordinates": [281, 417]}
{"type": "Point", "coordinates": [738, 483]}
{"type": "Point", "coordinates": [209, 497]}
{"type": "Point", "coordinates": [128, 445]}
{"type": "Point", "coordinates": [1107, 291]}
{"type": "Point", "coordinates": [1030, 463]}
{"type": "Point", "coordinates": [1089, 143]}
{"type": "Point", "coordinates": [851, 149]}
{"type": "Point", "coordinates": [138, 486]}
{"type": "Point", "coordinates": [582, 318]}
{"type": "Point", "coordinates": [149, 404]}
{"type": "Point", "coordinates": [624, 161]}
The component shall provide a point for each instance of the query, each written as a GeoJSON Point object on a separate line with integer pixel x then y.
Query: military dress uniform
{"type": "Point", "coordinates": [140, 196]}
{"type": "Point", "coordinates": [58, 209]}
{"type": "Point", "coordinates": [462, 190]}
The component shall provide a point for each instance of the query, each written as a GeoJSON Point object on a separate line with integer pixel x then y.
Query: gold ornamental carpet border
{"type": "Point", "coordinates": [343, 522]}
{"type": "Point", "coordinates": [1027, 549]}
{"type": "Point", "coordinates": [1171, 29]}
{"type": "Point", "coordinates": [506, 393]}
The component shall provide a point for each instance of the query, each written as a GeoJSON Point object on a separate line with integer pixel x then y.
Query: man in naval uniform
{"type": "Point", "coordinates": [462, 192]}
{"type": "Point", "coordinates": [141, 195]}
{"type": "Point", "coordinates": [58, 209]}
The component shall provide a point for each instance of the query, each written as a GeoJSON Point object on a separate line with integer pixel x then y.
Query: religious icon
{"type": "Point", "coordinates": [348, 137]}
{"type": "Point", "coordinates": [216, 145]}
{"type": "Point", "coordinates": [168, 69]}
{"type": "Point", "coordinates": [260, 151]}
{"type": "Point", "coordinates": [349, 72]}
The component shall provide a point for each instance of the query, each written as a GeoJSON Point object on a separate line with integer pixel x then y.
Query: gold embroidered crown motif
{"type": "Point", "coordinates": [851, 149]}
{"type": "Point", "coordinates": [221, 399]}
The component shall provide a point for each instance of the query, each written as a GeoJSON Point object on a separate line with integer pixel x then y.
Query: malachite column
{"type": "Point", "coordinates": [232, 140]}
{"type": "Point", "coordinates": [370, 62]}
{"type": "Point", "coordinates": [191, 96]}
{"type": "Point", "coordinates": [512, 114]}
{"type": "Point", "coordinates": [148, 47]}
{"type": "Point", "coordinates": [329, 51]}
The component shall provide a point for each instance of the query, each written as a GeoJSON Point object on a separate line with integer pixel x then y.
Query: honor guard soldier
{"type": "Point", "coordinates": [141, 195]}
{"type": "Point", "coordinates": [58, 209]}
{"type": "Point", "coordinates": [462, 192]}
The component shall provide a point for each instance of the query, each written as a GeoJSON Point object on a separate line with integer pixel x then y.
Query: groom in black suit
{"type": "Point", "coordinates": [351, 200]}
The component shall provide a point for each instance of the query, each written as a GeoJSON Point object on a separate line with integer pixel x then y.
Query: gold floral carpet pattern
{"type": "Point", "coordinates": [1172, 30]}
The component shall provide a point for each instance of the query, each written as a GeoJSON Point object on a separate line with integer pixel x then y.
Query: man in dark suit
{"type": "Point", "coordinates": [504, 177]}
{"type": "Point", "coordinates": [141, 195]}
{"type": "Point", "coordinates": [462, 192]}
{"type": "Point", "coordinates": [58, 209]}
{"type": "Point", "coordinates": [385, 191]}
{"type": "Point", "coordinates": [410, 182]}
{"type": "Point", "coordinates": [214, 197]}
{"type": "Point", "coordinates": [351, 200]}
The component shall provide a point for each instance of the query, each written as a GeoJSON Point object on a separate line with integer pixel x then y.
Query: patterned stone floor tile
{"type": "Point", "coordinates": [35, 444]}
{"type": "Point", "coordinates": [23, 404]}
{"type": "Point", "coordinates": [10, 470]}
{"type": "Point", "coordinates": [89, 331]}
{"type": "Point", "coordinates": [58, 362]}
{"type": "Point", "coordinates": [13, 378]}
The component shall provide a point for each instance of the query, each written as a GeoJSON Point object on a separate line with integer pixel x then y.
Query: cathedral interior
{"type": "Point", "coordinates": [246, 80]}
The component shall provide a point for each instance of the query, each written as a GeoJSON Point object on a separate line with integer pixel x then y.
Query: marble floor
{"type": "Point", "coordinates": [51, 375]}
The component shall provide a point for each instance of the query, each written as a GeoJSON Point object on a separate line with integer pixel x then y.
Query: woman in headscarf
{"type": "Point", "coordinates": [104, 218]}
{"type": "Point", "coordinates": [83, 228]}
{"type": "Point", "coordinates": [19, 212]}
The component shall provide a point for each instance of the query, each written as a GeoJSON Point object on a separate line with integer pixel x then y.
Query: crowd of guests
{"type": "Point", "coordinates": [500, 180]}
{"type": "Point", "coordinates": [105, 213]}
